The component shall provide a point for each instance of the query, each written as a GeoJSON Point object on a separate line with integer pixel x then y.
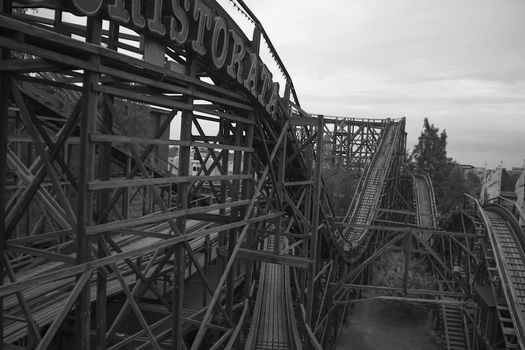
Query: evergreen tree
{"type": "Point", "coordinates": [430, 156]}
{"type": "Point", "coordinates": [448, 178]}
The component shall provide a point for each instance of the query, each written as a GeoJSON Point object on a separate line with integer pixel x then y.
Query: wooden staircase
{"type": "Point", "coordinates": [454, 325]}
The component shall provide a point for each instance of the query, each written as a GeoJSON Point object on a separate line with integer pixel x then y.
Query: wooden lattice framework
{"type": "Point", "coordinates": [95, 216]}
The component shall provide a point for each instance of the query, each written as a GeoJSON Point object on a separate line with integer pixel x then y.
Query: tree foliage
{"type": "Point", "coordinates": [508, 180]}
{"type": "Point", "coordinates": [389, 271]}
{"type": "Point", "coordinates": [448, 178]}
{"type": "Point", "coordinates": [340, 184]}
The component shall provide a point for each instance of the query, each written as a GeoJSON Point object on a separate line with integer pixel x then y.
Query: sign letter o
{"type": "Point", "coordinates": [219, 42]}
{"type": "Point", "coordinates": [88, 7]}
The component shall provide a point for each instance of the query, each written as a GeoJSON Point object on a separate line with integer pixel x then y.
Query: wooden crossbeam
{"type": "Point", "coordinates": [11, 288]}
{"type": "Point", "coordinates": [125, 182]}
{"type": "Point", "coordinates": [269, 257]}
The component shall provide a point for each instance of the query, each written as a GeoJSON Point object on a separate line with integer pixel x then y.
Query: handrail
{"type": "Point", "coordinates": [516, 210]}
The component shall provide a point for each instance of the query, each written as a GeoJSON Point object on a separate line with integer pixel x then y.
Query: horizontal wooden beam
{"type": "Point", "coordinates": [284, 259]}
{"type": "Point", "coordinates": [414, 230]}
{"type": "Point", "coordinates": [117, 225]}
{"type": "Point", "coordinates": [35, 281]}
{"type": "Point", "coordinates": [29, 139]}
{"type": "Point", "coordinates": [124, 182]}
{"type": "Point", "coordinates": [299, 183]}
{"type": "Point", "coordinates": [409, 300]}
{"type": "Point", "coordinates": [135, 140]}
{"type": "Point", "coordinates": [303, 121]}
{"type": "Point", "coordinates": [42, 253]}
{"type": "Point", "coordinates": [29, 65]}
{"type": "Point", "coordinates": [212, 218]}
{"type": "Point", "coordinates": [394, 289]}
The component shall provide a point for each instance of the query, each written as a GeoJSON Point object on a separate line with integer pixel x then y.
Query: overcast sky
{"type": "Point", "coordinates": [459, 62]}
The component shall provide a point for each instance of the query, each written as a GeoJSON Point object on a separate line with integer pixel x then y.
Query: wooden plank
{"type": "Point", "coordinates": [136, 140]}
{"type": "Point", "coordinates": [213, 217]}
{"type": "Point", "coordinates": [29, 65]}
{"type": "Point", "coordinates": [394, 289]}
{"type": "Point", "coordinates": [124, 182]}
{"type": "Point", "coordinates": [294, 121]}
{"type": "Point", "coordinates": [137, 96]}
{"type": "Point", "coordinates": [283, 259]}
{"type": "Point", "coordinates": [206, 109]}
{"type": "Point", "coordinates": [42, 253]}
{"type": "Point", "coordinates": [61, 274]}
{"type": "Point", "coordinates": [299, 183]}
{"type": "Point", "coordinates": [221, 146]}
{"type": "Point", "coordinates": [115, 225]}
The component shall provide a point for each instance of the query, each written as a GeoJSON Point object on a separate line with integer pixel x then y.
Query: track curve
{"type": "Point", "coordinates": [508, 244]}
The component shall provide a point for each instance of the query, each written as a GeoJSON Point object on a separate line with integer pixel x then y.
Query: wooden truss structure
{"type": "Point", "coordinates": [158, 196]}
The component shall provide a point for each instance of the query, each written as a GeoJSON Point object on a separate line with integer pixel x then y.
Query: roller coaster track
{"type": "Point", "coordinates": [508, 247]}
{"type": "Point", "coordinates": [273, 324]}
{"type": "Point", "coordinates": [425, 203]}
{"type": "Point", "coordinates": [502, 257]}
{"type": "Point", "coordinates": [354, 239]}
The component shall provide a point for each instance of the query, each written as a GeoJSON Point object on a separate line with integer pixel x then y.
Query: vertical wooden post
{"type": "Point", "coordinates": [182, 203]}
{"type": "Point", "coordinates": [280, 190]}
{"type": "Point", "coordinates": [233, 233]}
{"type": "Point", "coordinates": [102, 203]}
{"type": "Point", "coordinates": [85, 197]}
{"type": "Point", "coordinates": [246, 192]}
{"type": "Point", "coordinates": [408, 244]}
{"type": "Point", "coordinates": [5, 8]}
{"type": "Point", "coordinates": [315, 241]}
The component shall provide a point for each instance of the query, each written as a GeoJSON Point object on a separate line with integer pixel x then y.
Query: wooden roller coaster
{"type": "Point", "coordinates": [162, 188]}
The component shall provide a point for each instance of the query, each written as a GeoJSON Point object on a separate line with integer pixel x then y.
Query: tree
{"type": "Point", "coordinates": [430, 156]}
{"type": "Point", "coordinates": [448, 178]}
{"type": "Point", "coordinates": [508, 180]}
{"type": "Point", "coordinates": [389, 270]}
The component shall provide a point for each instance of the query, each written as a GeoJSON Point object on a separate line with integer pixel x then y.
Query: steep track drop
{"type": "Point", "coordinates": [354, 238]}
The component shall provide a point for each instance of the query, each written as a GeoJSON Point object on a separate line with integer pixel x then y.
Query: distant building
{"type": "Point", "coordinates": [470, 169]}
{"type": "Point", "coordinates": [195, 165]}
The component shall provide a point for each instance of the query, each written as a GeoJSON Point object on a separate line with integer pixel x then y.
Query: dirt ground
{"type": "Point", "coordinates": [379, 325]}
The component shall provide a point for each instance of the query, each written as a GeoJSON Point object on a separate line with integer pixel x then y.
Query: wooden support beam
{"type": "Point", "coordinates": [223, 219]}
{"type": "Point", "coordinates": [409, 300]}
{"type": "Point", "coordinates": [202, 329]}
{"type": "Point", "coordinates": [85, 197]}
{"type": "Point", "coordinates": [269, 257]}
{"type": "Point", "coordinates": [122, 224]}
{"type": "Point", "coordinates": [5, 82]}
{"type": "Point", "coordinates": [123, 182]}
{"type": "Point", "coordinates": [404, 227]}
{"type": "Point", "coordinates": [394, 289]}
{"type": "Point", "coordinates": [316, 240]}
{"type": "Point", "coordinates": [42, 253]}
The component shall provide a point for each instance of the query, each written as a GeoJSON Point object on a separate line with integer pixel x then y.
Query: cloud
{"type": "Point", "coordinates": [461, 63]}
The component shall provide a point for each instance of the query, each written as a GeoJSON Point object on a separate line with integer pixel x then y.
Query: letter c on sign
{"type": "Point", "coordinates": [88, 7]}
